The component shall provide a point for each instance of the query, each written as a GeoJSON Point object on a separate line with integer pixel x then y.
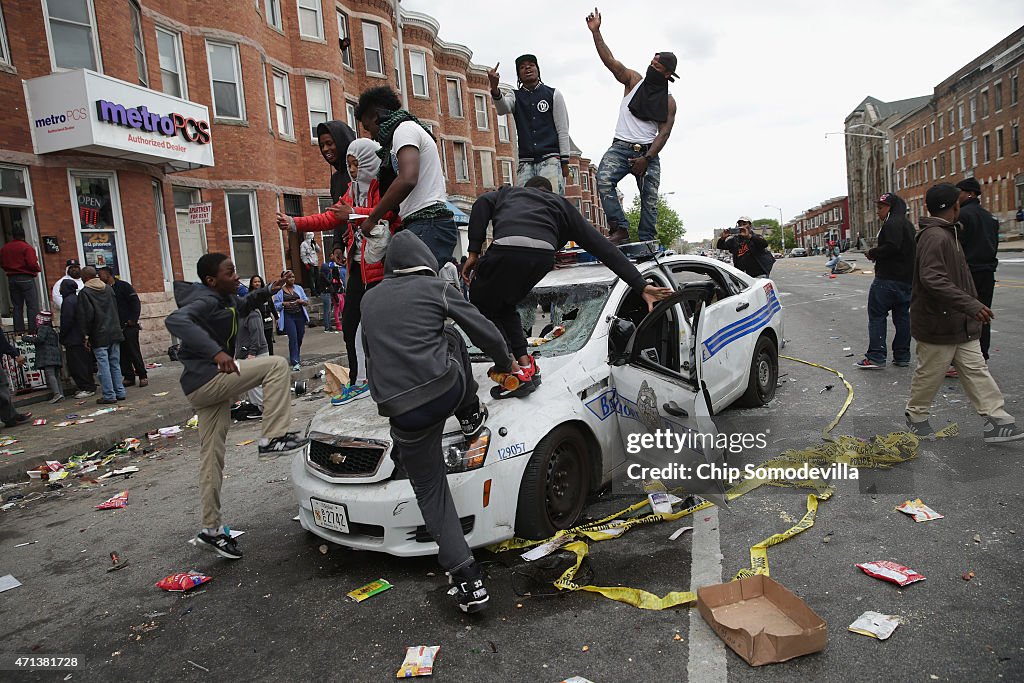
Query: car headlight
{"type": "Point", "coordinates": [462, 454]}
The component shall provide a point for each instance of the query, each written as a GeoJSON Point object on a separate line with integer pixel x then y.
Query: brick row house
{"type": "Point", "coordinates": [232, 94]}
{"type": "Point", "coordinates": [827, 221]}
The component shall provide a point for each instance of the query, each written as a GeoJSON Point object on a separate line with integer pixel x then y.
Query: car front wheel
{"type": "Point", "coordinates": [555, 484]}
{"type": "Point", "coordinates": [764, 375]}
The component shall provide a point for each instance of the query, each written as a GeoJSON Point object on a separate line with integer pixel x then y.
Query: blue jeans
{"type": "Point", "coordinates": [439, 234]}
{"type": "Point", "coordinates": [327, 299]}
{"type": "Point", "coordinates": [295, 328]}
{"type": "Point", "coordinates": [108, 359]}
{"type": "Point", "coordinates": [548, 168]}
{"type": "Point", "coordinates": [885, 296]}
{"type": "Point", "coordinates": [614, 167]}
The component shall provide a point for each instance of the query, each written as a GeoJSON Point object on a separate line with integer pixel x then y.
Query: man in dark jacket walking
{"type": "Point", "coordinates": [71, 336]}
{"type": "Point", "coordinates": [97, 316]}
{"type": "Point", "coordinates": [981, 247]}
{"type": "Point", "coordinates": [129, 307]}
{"type": "Point", "coordinates": [946, 318]}
{"type": "Point", "coordinates": [749, 250]}
{"type": "Point", "coordinates": [890, 290]}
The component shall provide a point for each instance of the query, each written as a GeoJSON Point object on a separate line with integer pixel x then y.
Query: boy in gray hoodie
{"type": "Point", "coordinates": [420, 373]}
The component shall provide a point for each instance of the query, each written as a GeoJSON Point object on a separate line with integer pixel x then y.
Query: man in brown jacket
{"type": "Point", "coordinates": [946, 318]}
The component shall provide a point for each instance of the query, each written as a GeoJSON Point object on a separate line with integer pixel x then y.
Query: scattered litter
{"type": "Point", "coordinates": [295, 518]}
{"type": "Point", "coordinates": [977, 538]}
{"type": "Point", "coordinates": [967, 576]}
{"type": "Point", "coordinates": [919, 511]}
{"type": "Point", "coordinates": [277, 481]}
{"type": "Point", "coordinates": [546, 548]}
{"type": "Point", "coordinates": [102, 411]}
{"type": "Point", "coordinates": [150, 366]}
{"type": "Point", "coordinates": [116, 503]}
{"type": "Point", "coordinates": [84, 421]}
{"type": "Point", "coordinates": [22, 545]}
{"type": "Point", "coordinates": [246, 442]}
{"type": "Point", "coordinates": [828, 387]}
{"type": "Point", "coordinates": [323, 549]}
{"type": "Point", "coordinates": [576, 679]}
{"type": "Point", "coordinates": [419, 661]}
{"type": "Point", "coordinates": [369, 590]}
{"type": "Point", "coordinates": [828, 538]}
{"type": "Point", "coordinates": [116, 562]}
{"type": "Point", "coordinates": [190, 661]}
{"type": "Point", "coordinates": [131, 469]}
{"type": "Point", "coordinates": [8, 582]}
{"type": "Point", "coordinates": [183, 581]}
{"type": "Point", "coordinates": [169, 431]}
{"type": "Point", "coordinates": [875, 625]}
{"type": "Point", "coordinates": [679, 532]}
{"type": "Point", "coordinates": [890, 571]}
{"type": "Point", "coordinates": [663, 502]}
{"type": "Point", "coordinates": [161, 393]}
{"type": "Point", "coordinates": [40, 422]}
{"type": "Point", "coordinates": [193, 422]}
{"type": "Point", "coordinates": [585, 648]}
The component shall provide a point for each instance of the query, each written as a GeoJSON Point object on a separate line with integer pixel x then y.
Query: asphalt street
{"type": "Point", "coordinates": [281, 612]}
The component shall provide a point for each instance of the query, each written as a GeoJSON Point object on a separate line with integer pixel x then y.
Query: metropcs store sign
{"type": "Point", "coordinates": [89, 112]}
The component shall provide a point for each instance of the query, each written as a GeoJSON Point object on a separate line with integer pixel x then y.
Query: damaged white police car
{"type": "Point", "coordinates": [615, 370]}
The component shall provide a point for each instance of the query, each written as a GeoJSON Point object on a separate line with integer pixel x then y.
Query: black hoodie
{"type": "Point", "coordinates": [980, 237]}
{"type": "Point", "coordinates": [343, 137]}
{"type": "Point", "coordinates": [894, 254]}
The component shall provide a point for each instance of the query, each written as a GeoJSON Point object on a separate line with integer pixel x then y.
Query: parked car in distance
{"type": "Point", "coordinates": [797, 251]}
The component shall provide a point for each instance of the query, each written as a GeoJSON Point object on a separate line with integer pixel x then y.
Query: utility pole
{"type": "Point", "coordinates": [782, 229]}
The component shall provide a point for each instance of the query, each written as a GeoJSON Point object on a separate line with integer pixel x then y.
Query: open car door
{"type": "Point", "coordinates": [663, 409]}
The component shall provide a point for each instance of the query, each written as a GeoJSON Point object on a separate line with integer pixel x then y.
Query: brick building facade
{"type": "Point", "coordinates": [827, 221]}
{"type": "Point", "coordinates": [267, 71]}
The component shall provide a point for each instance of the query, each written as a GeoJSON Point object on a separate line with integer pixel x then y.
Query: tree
{"type": "Point", "coordinates": [775, 239]}
{"type": "Point", "coordinates": [669, 224]}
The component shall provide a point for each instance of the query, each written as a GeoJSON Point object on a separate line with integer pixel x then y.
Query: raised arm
{"type": "Point", "coordinates": [626, 77]}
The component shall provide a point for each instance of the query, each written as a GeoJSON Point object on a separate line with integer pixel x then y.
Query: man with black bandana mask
{"type": "Point", "coordinates": [646, 116]}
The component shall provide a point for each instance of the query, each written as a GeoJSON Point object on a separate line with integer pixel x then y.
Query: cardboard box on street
{"type": "Point", "coordinates": [761, 620]}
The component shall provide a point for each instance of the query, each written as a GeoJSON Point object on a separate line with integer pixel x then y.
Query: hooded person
{"type": "Point", "coordinates": [72, 273]}
{"type": "Point", "coordinates": [97, 317]}
{"type": "Point", "coordinates": [890, 291]}
{"type": "Point", "coordinates": [73, 339]}
{"type": "Point", "coordinates": [420, 373]}
{"type": "Point", "coordinates": [981, 247]}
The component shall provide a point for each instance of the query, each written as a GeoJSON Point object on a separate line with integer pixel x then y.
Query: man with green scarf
{"type": "Point", "coordinates": [411, 176]}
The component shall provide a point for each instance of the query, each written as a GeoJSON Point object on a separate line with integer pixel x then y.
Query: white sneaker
{"type": "Point", "coordinates": [85, 394]}
{"type": "Point", "coordinates": [57, 399]}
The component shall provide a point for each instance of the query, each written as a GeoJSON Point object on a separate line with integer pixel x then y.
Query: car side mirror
{"type": "Point", "coordinates": [619, 335]}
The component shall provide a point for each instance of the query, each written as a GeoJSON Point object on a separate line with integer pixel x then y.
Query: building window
{"type": "Point", "coordinates": [318, 101]}
{"type": "Point", "coordinates": [245, 238]}
{"type": "Point", "coordinates": [1015, 139]}
{"type": "Point", "coordinates": [98, 220]}
{"type": "Point", "coordinates": [985, 148]}
{"type": "Point", "coordinates": [586, 210]}
{"type": "Point", "coordinates": [963, 157]}
{"type": "Point", "coordinates": [454, 97]}
{"type": "Point", "coordinates": [437, 87]}
{"type": "Point", "coordinates": [942, 164]}
{"type": "Point", "coordinates": [998, 103]}
{"type": "Point", "coordinates": [999, 143]}
{"type": "Point", "coordinates": [172, 63]}
{"type": "Point", "coordinates": [418, 68]}
{"type": "Point", "coordinates": [371, 49]}
{"type": "Point", "coordinates": [283, 104]}
{"type": "Point", "coordinates": [506, 172]}
{"type": "Point", "coordinates": [487, 169]}
{"type": "Point", "coordinates": [1014, 94]}
{"type": "Point", "coordinates": [5, 50]}
{"type": "Point", "coordinates": [343, 34]}
{"type": "Point", "coordinates": [461, 163]}
{"type": "Point", "coordinates": [480, 107]}
{"type": "Point", "coordinates": [984, 103]}
{"type": "Point", "coordinates": [444, 156]}
{"type": "Point", "coordinates": [952, 160]}
{"type": "Point", "coordinates": [586, 182]}
{"type": "Point", "coordinates": [323, 203]}
{"type": "Point", "coordinates": [140, 47]}
{"type": "Point", "coordinates": [974, 153]}
{"type": "Point", "coordinates": [974, 109]}
{"type": "Point", "coordinates": [291, 204]}
{"type": "Point", "coordinates": [311, 19]}
{"type": "Point", "coordinates": [226, 80]}
{"type": "Point", "coordinates": [949, 118]}
{"type": "Point", "coordinates": [398, 71]}
{"type": "Point", "coordinates": [350, 116]}
{"type": "Point", "coordinates": [72, 34]}
{"type": "Point", "coordinates": [931, 133]}
{"type": "Point", "coordinates": [503, 127]}
{"type": "Point", "coordinates": [273, 8]}
{"type": "Point", "coordinates": [574, 175]}
{"type": "Point", "coordinates": [960, 115]}
{"type": "Point", "coordinates": [942, 131]}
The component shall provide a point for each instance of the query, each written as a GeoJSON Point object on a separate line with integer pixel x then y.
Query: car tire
{"type": "Point", "coordinates": [555, 485]}
{"type": "Point", "coordinates": [764, 375]}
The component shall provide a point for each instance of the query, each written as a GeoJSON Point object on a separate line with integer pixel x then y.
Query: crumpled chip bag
{"type": "Point", "coordinates": [116, 503]}
{"type": "Point", "coordinates": [890, 571]}
{"type": "Point", "coordinates": [181, 582]}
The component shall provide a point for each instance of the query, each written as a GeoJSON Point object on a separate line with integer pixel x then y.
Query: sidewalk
{"type": "Point", "coordinates": [141, 413]}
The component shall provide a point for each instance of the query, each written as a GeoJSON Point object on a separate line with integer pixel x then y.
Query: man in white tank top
{"type": "Point", "coordinates": [646, 115]}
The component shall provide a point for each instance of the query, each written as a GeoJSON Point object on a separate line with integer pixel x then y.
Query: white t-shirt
{"type": "Point", "coordinates": [430, 189]}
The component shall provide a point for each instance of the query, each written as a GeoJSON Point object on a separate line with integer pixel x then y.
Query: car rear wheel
{"type": "Point", "coordinates": [555, 484]}
{"type": "Point", "coordinates": [764, 375]}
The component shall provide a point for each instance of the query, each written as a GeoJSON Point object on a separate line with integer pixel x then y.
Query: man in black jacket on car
{"type": "Point", "coordinates": [981, 245]}
{"type": "Point", "coordinates": [749, 250]}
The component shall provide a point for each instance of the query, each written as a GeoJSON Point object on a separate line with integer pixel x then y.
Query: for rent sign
{"type": "Point", "coordinates": [199, 214]}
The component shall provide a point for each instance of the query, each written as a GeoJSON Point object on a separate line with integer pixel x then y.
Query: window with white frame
{"type": "Point", "coordinates": [350, 115]}
{"type": "Point", "coordinates": [942, 131]}
{"type": "Point", "coordinates": [311, 19]}
{"type": "Point", "coordinates": [935, 167]}
{"type": "Point", "coordinates": [586, 181]}
{"type": "Point", "coordinates": [461, 162]}
{"type": "Point", "coordinates": [5, 50]}
{"type": "Point", "coordinates": [437, 87]}
{"type": "Point", "coordinates": [226, 80]}
{"type": "Point", "coordinates": [372, 50]}
{"type": "Point", "coordinates": [283, 104]}
{"type": "Point", "coordinates": [245, 236]}
{"type": "Point", "coordinates": [172, 63]}
{"type": "Point", "coordinates": [974, 153]}
{"type": "Point", "coordinates": [72, 34]}
{"type": "Point", "coordinates": [323, 203]}
{"type": "Point", "coordinates": [454, 97]}
{"type": "Point", "coordinates": [343, 33]}
{"type": "Point", "coordinates": [503, 127]}
{"type": "Point", "coordinates": [999, 143]}
{"type": "Point", "coordinates": [139, 45]}
{"type": "Point", "coordinates": [318, 101]}
{"type": "Point", "coordinates": [586, 210]}
{"type": "Point", "coordinates": [985, 148]}
{"type": "Point", "coordinates": [418, 69]}
{"type": "Point", "coordinates": [487, 169]}
{"type": "Point", "coordinates": [997, 103]}
{"type": "Point", "coordinates": [398, 71]}
{"type": "Point", "coordinates": [444, 156]}
{"type": "Point", "coordinates": [480, 107]}
{"type": "Point", "coordinates": [273, 8]}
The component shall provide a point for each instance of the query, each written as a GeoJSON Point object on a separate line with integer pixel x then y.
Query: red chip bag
{"type": "Point", "coordinates": [179, 583]}
{"type": "Point", "coordinates": [115, 503]}
{"type": "Point", "coordinates": [890, 571]}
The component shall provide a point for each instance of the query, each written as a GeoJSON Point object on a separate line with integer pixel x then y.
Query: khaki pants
{"type": "Point", "coordinates": [932, 362]}
{"type": "Point", "coordinates": [212, 402]}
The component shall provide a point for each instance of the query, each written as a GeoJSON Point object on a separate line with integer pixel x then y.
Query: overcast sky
{"type": "Point", "coordinates": [761, 83]}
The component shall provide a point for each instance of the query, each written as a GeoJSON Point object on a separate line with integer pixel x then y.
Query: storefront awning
{"type": "Point", "coordinates": [88, 112]}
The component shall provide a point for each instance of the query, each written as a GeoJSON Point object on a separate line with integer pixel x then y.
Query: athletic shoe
{"type": "Point", "coordinates": [475, 422]}
{"type": "Point", "coordinates": [901, 363]}
{"type": "Point", "coordinates": [920, 429]}
{"type": "Point", "coordinates": [144, 382]}
{"type": "Point", "coordinates": [296, 367]}
{"type": "Point", "coordinates": [128, 382]}
{"type": "Point", "coordinates": [57, 399]}
{"type": "Point", "coordinates": [281, 445]}
{"type": "Point", "coordinates": [952, 373]}
{"type": "Point", "coordinates": [866, 364]}
{"type": "Point", "coordinates": [222, 544]}
{"type": "Point", "coordinates": [122, 398]}
{"type": "Point", "coordinates": [106, 401]}
{"type": "Point", "coordinates": [351, 393]}
{"type": "Point", "coordinates": [618, 237]}
{"type": "Point", "coordinates": [19, 419]}
{"type": "Point", "coordinates": [84, 394]}
{"type": "Point", "coordinates": [468, 590]}
{"type": "Point", "coordinates": [997, 433]}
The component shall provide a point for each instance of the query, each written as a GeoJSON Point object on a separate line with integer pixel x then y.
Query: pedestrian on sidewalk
{"type": "Point", "coordinates": [129, 308]}
{"type": "Point", "coordinates": [252, 343]}
{"type": "Point", "coordinates": [72, 273]}
{"type": "Point", "coordinates": [48, 353]}
{"type": "Point", "coordinates": [337, 279]}
{"type": "Point", "coordinates": [97, 315]}
{"type": "Point", "coordinates": [646, 116]}
{"type": "Point", "coordinates": [981, 247]}
{"type": "Point", "coordinates": [10, 416]}
{"type": "Point", "coordinates": [323, 274]}
{"type": "Point", "coordinates": [750, 252]}
{"type": "Point", "coordinates": [211, 379]}
{"type": "Point", "coordinates": [890, 290]}
{"type": "Point", "coordinates": [80, 360]}
{"type": "Point", "coordinates": [19, 260]}
{"type": "Point", "coordinates": [292, 306]}
{"type": "Point", "coordinates": [309, 254]}
{"type": "Point", "coordinates": [946, 318]}
{"type": "Point", "coordinates": [267, 312]}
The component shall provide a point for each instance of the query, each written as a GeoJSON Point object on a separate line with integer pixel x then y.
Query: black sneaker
{"type": "Point", "coordinates": [282, 445]}
{"type": "Point", "coordinates": [469, 591]}
{"type": "Point", "coordinates": [222, 544]}
{"type": "Point", "coordinates": [921, 429]}
{"type": "Point", "coordinates": [997, 433]}
{"type": "Point", "coordinates": [475, 422]}
{"type": "Point", "coordinates": [19, 419]}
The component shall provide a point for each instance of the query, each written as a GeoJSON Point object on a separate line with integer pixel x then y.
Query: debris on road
{"type": "Point", "coordinates": [198, 666]}
{"type": "Point", "coordinates": [875, 625]}
{"type": "Point", "coordinates": [890, 571]}
{"type": "Point", "coordinates": [419, 661]}
{"type": "Point", "coordinates": [22, 545]}
{"type": "Point", "coordinates": [977, 538]}
{"type": "Point", "coordinates": [545, 549]}
{"type": "Point", "coordinates": [663, 502]}
{"type": "Point", "coordinates": [7, 582]}
{"type": "Point", "coordinates": [40, 422]}
{"type": "Point", "coordinates": [161, 393]}
{"type": "Point", "coordinates": [967, 576]}
{"type": "Point", "coordinates": [116, 562]}
{"type": "Point", "coordinates": [919, 511]}
{"type": "Point", "coordinates": [183, 581]}
{"type": "Point", "coordinates": [576, 679]}
{"type": "Point", "coordinates": [679, 532]}
{"type": "Point", "coordinates": [246, 442]}
{"type": "Point", "coordinates": [369, 590]}
{"type": "Point", "coordinates": [115, 503]}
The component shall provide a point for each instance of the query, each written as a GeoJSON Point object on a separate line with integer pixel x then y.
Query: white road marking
{"type": "Point", "coordinates": [706, 662]}
{"type": "Point", "coordinates": [830, 298]}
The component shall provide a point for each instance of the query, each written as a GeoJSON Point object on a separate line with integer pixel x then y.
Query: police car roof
{"type": "Point", "coordinates": [594, 273]}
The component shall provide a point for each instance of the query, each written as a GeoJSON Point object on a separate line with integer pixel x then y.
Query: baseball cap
{"type": "Point", "coordinates": [970, 185]}
{"type": "Point", "coordinates": [669, 61]}
{"type": "Point", "coordinates": [525, 58]}
{"type": "Point", "coordinates": [744, 219]}
{"type": "Point", "coordinates": [71, 262]}
{"type": "Point", "coordinates": [886, 199]}
{"type": "Point", "coordinates": [940, 197]}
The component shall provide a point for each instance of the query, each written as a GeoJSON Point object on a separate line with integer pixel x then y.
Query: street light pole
{"type": "Point", "coordinates": [782, 229]}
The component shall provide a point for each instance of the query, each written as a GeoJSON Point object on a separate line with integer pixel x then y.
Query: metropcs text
{"type": "Point", "coordinates": [666, 440]}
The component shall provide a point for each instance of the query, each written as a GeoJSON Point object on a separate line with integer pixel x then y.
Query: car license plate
{"type": "Point", "coordinates": [329, 515]}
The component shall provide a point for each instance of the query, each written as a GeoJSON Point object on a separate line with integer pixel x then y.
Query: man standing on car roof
{"type": "Point", "coordinates": [530, 224]}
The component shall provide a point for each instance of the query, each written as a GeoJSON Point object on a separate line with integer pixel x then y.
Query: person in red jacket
{"type": "Point", "coordinates": [364, 269]}
{"type": "Point", "coordinates": [19, 260]}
